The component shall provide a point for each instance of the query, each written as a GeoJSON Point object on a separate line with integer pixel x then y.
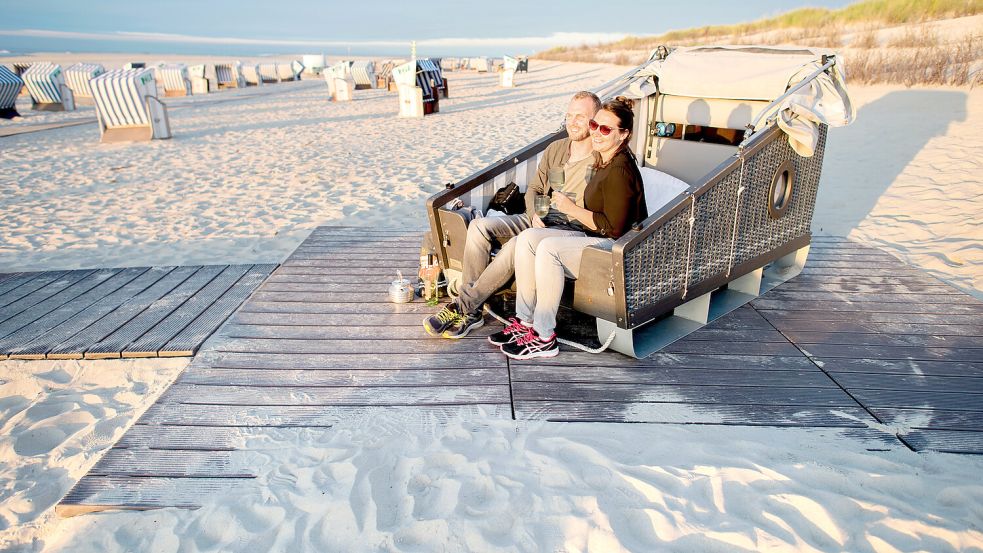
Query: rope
{"type": "Point", "coordinates": [689, 244]}
{"type": "Point", "coordinates": [737, 209]}
{"type": "Point", "coordinates": [570, 343]}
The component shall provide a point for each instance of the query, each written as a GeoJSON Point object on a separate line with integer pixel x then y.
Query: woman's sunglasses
{"type": "Point", "coordinates": [603, 129]}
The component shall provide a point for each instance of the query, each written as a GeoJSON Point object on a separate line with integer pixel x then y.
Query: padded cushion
{"type": "Point", "coordinates": [708, 112]}
{"type": "Point", "coordinates": [660, 188]}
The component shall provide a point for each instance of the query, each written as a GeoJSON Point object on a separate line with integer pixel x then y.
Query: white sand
{"type": "Point", "coordinates": [246, 180]}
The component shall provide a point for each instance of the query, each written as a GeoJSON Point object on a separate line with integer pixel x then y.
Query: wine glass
{"type": "Point", "coordinates": [542, 205]}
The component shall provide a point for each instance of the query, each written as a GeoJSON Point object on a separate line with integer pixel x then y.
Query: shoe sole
{"type": "Point", "coordinates": [499, 344]}
{"type": "Point", "coordinates": [545, 353]}
{"type": "Point", "coordinates": [477, 324]}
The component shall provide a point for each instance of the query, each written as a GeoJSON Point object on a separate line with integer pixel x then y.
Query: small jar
{"type": "Point", "coordinates": [400, 291]}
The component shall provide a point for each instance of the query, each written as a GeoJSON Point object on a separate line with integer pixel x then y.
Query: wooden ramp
{"type": "Point", "coordinates": [112, 313]}
{"type": "Point", "coordinates": [859, 342]}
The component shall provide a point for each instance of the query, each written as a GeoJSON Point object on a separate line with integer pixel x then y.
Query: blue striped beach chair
{"type": "Point", "coordinates": [417, 93]}
{"type": "Point", "coordinates": [433, 72]}
{"type": "Point", "coordinates": [127, 106]}
{"type": "Point", "coordinates": [10, 85]}
{"type": "Point", "coordinates": [175, 80]}
{"type": "Point", "coordinates": [229, 75]}
{"type": "Point", "coordinates": [363, 73]}
{"type": "Point", "coordinates": [46, 83]}
{"type": "Point", "coordinates": [77, 78]}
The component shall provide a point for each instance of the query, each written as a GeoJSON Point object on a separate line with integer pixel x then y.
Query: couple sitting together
{"type": "Point", "coordinates": [602, 197]}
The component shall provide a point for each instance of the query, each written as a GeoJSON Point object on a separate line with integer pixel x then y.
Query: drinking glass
{"type": "Point", "coordinates": [542, 205]}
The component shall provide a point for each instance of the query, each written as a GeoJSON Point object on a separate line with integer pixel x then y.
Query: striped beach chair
{"type": "Point", "coordinates": [340, 83]}
{"type": "Point", "coordinates": [10, 85]}
{"type": "Point", "coordinates": [229, 75]}
{"type": "Point", "coordinates": [384, 78]}
{"type": "Point", "coordinates": [175, 80]}
{"type": "Point", "coordinates": [479, 64]}
{"type": "Point", "coordinates": [250, 74]}
{"type": "Point", "coordinates": [203, 78]}
{"type": "Point", "coordinates": [46, 83]}
{"type": "Point", "coordinates": [432, 70]}
{"type": "Point", "coordinates": [77, 78]}
{"type": "Point", "coordinates": [19, 68]}
{"type": "Point", "coordinates": [134, 65]}
{"type": "Point", "coordinates": [363, 73]}
{"type": "Point", "coordinates": [269, 72]}
{"type": "Point", "coordinates": [127, 106]}
{"type": "Point", "coordinates": [417, 94]}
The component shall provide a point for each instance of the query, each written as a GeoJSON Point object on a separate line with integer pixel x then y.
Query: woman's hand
{"type": "Point", "coordinates": [563, 203]}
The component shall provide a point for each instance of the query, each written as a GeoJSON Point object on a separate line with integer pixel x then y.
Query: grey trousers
{"type": "Point", "coordinates": [544, 257]}
{"type": "Point", "coordinates": [482, 276]}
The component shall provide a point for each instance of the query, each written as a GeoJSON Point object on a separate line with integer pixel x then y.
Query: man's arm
{"type": "Point", "coordinates": [537, 186]}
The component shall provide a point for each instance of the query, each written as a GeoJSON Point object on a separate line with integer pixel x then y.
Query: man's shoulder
{"type": "Point", "coordinates": [558, 146]}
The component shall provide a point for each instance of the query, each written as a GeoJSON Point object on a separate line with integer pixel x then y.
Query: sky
{"type": "Point", "coordinates": [369, 27]}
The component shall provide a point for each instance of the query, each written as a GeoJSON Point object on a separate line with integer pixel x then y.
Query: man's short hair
{"type": "Point", "coordinates": [588, 95]}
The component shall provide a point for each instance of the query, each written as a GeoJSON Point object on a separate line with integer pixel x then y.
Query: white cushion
{"type": "Point", "coordinates": [660, 188]}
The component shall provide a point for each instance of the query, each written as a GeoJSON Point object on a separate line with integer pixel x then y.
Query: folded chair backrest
{"type": "Point", "coordinates": [44, 81]}
{"type": "Point", "coordinates": [174, 78]}
{"type": "Point", "coordinates": [10, 85]}
{"type": "Point", "coordinates": [127, 98]}
{"type": "Point", "coordinates": [77, 77]}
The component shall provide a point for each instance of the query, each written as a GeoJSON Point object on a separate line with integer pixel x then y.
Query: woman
{"type": "Point", "coordinates": [612, 202]}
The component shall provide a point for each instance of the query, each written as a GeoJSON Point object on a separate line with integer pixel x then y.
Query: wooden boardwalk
{"type": "Point", "coordinates": [112, 313]}
{"type": "Point", "coordinates": [858, 342]}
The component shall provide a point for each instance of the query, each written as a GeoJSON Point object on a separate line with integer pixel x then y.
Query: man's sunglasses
{"type": "Point", "coordinates": [603, 129]}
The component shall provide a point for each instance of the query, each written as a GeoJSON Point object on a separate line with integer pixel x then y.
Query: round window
{"type": "Point", "coordinates": [781, 189]}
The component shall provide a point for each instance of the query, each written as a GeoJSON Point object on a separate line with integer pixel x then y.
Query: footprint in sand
{"type": "Point", "coordinates": [39, 440]}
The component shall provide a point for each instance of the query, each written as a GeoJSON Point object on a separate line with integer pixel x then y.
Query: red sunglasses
{"type": "Point", "coordinates": [603, 129]}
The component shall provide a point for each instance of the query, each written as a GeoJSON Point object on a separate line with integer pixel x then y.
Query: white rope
{"type": "Point", "coordinates": [689, 244]}
{"type": "Point", "coordinates": [737, 209]}
{"type": "Point", "coordinates": [570, 343]}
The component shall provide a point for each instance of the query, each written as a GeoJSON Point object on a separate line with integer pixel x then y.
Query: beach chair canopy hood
{"type": "Point", "coordinates": [756, 73]}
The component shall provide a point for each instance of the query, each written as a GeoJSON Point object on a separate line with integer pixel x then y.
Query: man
{"type": "Point", "coordinates": [481, 279]}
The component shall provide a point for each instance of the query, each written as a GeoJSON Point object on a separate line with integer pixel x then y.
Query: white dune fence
{"type": "Point", "coordinates": [340, 84]}
{"type": "Point", "coordinates": [127, 106]}
{"type": "Point", "coordinates": [363, 73]}
{"type": "Point", "coordinates": [46, 83]}
{"type": "Point", "coordinates": [507, 76]}
{"type": "Point", "coordinates": [229, 75]}
{"type": "Point", "coordinates": [175, 80]}
{"type": "Point", "coordinates": [10, 85]}
{"type": "Point", "coordinates": [77, 78]}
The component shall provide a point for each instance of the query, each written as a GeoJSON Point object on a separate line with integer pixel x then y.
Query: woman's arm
{"type": "Point", "coordinates": [566, 206]}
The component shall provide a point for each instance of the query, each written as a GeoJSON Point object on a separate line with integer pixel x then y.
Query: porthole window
{"type": "Point", "coordinates": [780, 193]}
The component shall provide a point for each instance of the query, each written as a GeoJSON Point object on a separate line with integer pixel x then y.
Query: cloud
{"type": "Point", "coordinates": [554, 39]}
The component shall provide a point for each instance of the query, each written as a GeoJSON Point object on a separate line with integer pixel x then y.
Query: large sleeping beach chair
{"type": "Point", "coordinates": [417, 95]}
{"type": "Point", "coordinates": [229, 75]}
{"type": "Point", "coordinates": [127, 106]}
{"type": "Point", "coordinates": [10, 85]}
{"type": "Point", "coordinates": [340, 84]}
{"type": "Point", "coordinates": [744, 128]}
{"type": "Point", "coordinates": [77, 78]}
{"type": "Point", "coordinates": [363, 74]}
{"type": "Point", "coordinates": [507, 76]}
{"type": "Point", "coordinates": [175, 79]}
{"type": "Point", "coordinates": [46, 83]}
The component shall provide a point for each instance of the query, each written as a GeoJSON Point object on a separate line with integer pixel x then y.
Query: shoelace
{"type": "Point", "coordinates": [529, 337]}
{"type": "Point", "coordinates": [514, 327]}
{"type": "Point", "coordinates": [446, 315]}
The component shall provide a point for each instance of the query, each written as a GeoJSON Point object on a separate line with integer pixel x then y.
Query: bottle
{"type": "Point", "coordinates": [430, 292]}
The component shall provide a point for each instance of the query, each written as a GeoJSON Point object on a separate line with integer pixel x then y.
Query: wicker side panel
{"type": "Point", "coordinates": [655, 269]}
{"type": "Point", "coordinates": [757, 232]}
{"type": "Point", "coordinates": [713, 228]}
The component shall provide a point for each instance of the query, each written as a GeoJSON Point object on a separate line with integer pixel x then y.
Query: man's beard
{"type": "Point", "coordinates": [578, 138]}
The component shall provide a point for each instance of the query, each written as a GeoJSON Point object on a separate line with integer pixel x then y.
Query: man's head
{"type": "Point", "coordinates": [581, 110]}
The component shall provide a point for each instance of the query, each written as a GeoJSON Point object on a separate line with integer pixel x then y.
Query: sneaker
{"type": "Point", "coordinates": [510, 333]}
{"type": "Point", "coordinates": [463, 324]}
{"type": "Point", "coordinates": [530, 345]}
{"type": "Point", "coordinates": [435, 325]}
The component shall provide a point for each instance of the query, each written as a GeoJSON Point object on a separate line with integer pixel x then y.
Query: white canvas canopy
{"type": "Point", "coordinates": [756, 73]}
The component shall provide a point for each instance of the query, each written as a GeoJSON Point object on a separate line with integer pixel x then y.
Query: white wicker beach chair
{"type": "Point", "coordinates": [203, 78]}
{"type": "Point", "coordinates": [10, 85]}
{"type": "Point", "coordinates": [363, 73]}
{"type": "Point", "coordinates": [340, 83]}
{"type": "Point", "coordinates": [175, 80]}
{"type": "Point", "coordinates": [229, 75]}
{"type": "Point", "coordinates": [269, 72]}
{"type": "Point", "coordinates": [479, 64]}
{"type": "Point", "coordinates": [46, 83]}
{"type": "Point", "coordinates": [128, 107]}
{"type": "Point", "coordinates": [507, 76]}
{"type": "Point", "coordinates": [250, 74]}
{"type": "Point", "coordinates": [77, 78]}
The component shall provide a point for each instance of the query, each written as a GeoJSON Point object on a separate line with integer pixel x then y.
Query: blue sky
{"type": "Point", "coordinates": [441, 27]}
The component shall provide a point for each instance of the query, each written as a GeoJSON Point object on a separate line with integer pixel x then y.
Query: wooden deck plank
{"type": "Point", "coordinates": [76, 346]}
{"type": "Point", "coordinates": [738, 377]}
{"type": "Point", "coordinates": [48, 314]}
{"type": "Point", "coordinates": [378, 289]}
{"type": "Point", "coordinates": [35, 292]}
{"type": "Point", "coordinates": [334, 280]}
{"type": "Point", "coordinates": [765, 302]}
{"type": "Point", "coordinates": [121, 338]}
{"type": "Point", "coordinates": [285, 378]}
{"type": "Point", "coordinates": [43, 344]}
{"type": "Point", "coordinates": [364, 360]}
{"type": "Point", "coordinates": [349, 296]}
{"type": "Point", "coordinates": [867, 288]}
{"type": "Point", "coordinates": [14, 280]}
{"type": "Point", "coordinates": [878, 328]}
{"type": "Point", "coordinates": [884, 339]}
{"type": "Point", "coordinates": [946, 441]}
{"type": "Point", "coordinates": [902, 366]}
{"type": "Point", "coordinates": [930, 419]}
{"type": "Point", "coordinates": [355, 259]}
{"type": "Point", "coordinates": [272, 319]}
{"type": "Point", "coordinates": [155, 339]}
{"type": "Point", "coordinates": [909, 382]}
{"type": "Point", "coordinates": [340, 331]}
{"type": "Point", "coordinates": [408, 271]}
{"type": "Point", "coordinates": [733, 348]}
{"type": "Point", "coordinates": [633, 393]}
{"type": "Point", "coordinates": [907, 279]}
{"type": "Point", "coordinates": [354, 347]}
{"type": "Point", "coordinates": [363, 263]}
{"type": "Point", "coordinates": [921, 399]}
{"type": "Point", "coordinates": [870, 297]}
{"type": "Point", "coordinates": [667, 360]}
{"type": "Point", "coordinates": [259, 305]}
{"type": "Point", "coordinates": [169, 464]}
{"type": "Point", "coordinates": [892, 352]}
{"type": "Point", "coordinates": [681, 413]}
{"type": "Point", "coordinates": [778, 315]}
{"type": "Point", "coordinates": [315, 416]}
{"type": "Point", "coordinates": [93, 493]}
{"type": "Point", "coordinates": [196, 394]}
{"type": "Point", "coordinates": [187, 341]}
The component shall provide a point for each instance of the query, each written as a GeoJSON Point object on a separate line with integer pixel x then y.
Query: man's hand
{"type": "Point", "coordinates": [562, 203]}
{"type": "Point", "coordinates": [537, 222]}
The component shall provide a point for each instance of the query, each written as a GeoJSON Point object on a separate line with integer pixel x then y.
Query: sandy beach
{"type": "Point", "coordinates": [249, 173]}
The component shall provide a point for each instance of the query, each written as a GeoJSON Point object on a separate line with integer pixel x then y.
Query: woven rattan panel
{"type": "Point", "coordinates": [655, 269]}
